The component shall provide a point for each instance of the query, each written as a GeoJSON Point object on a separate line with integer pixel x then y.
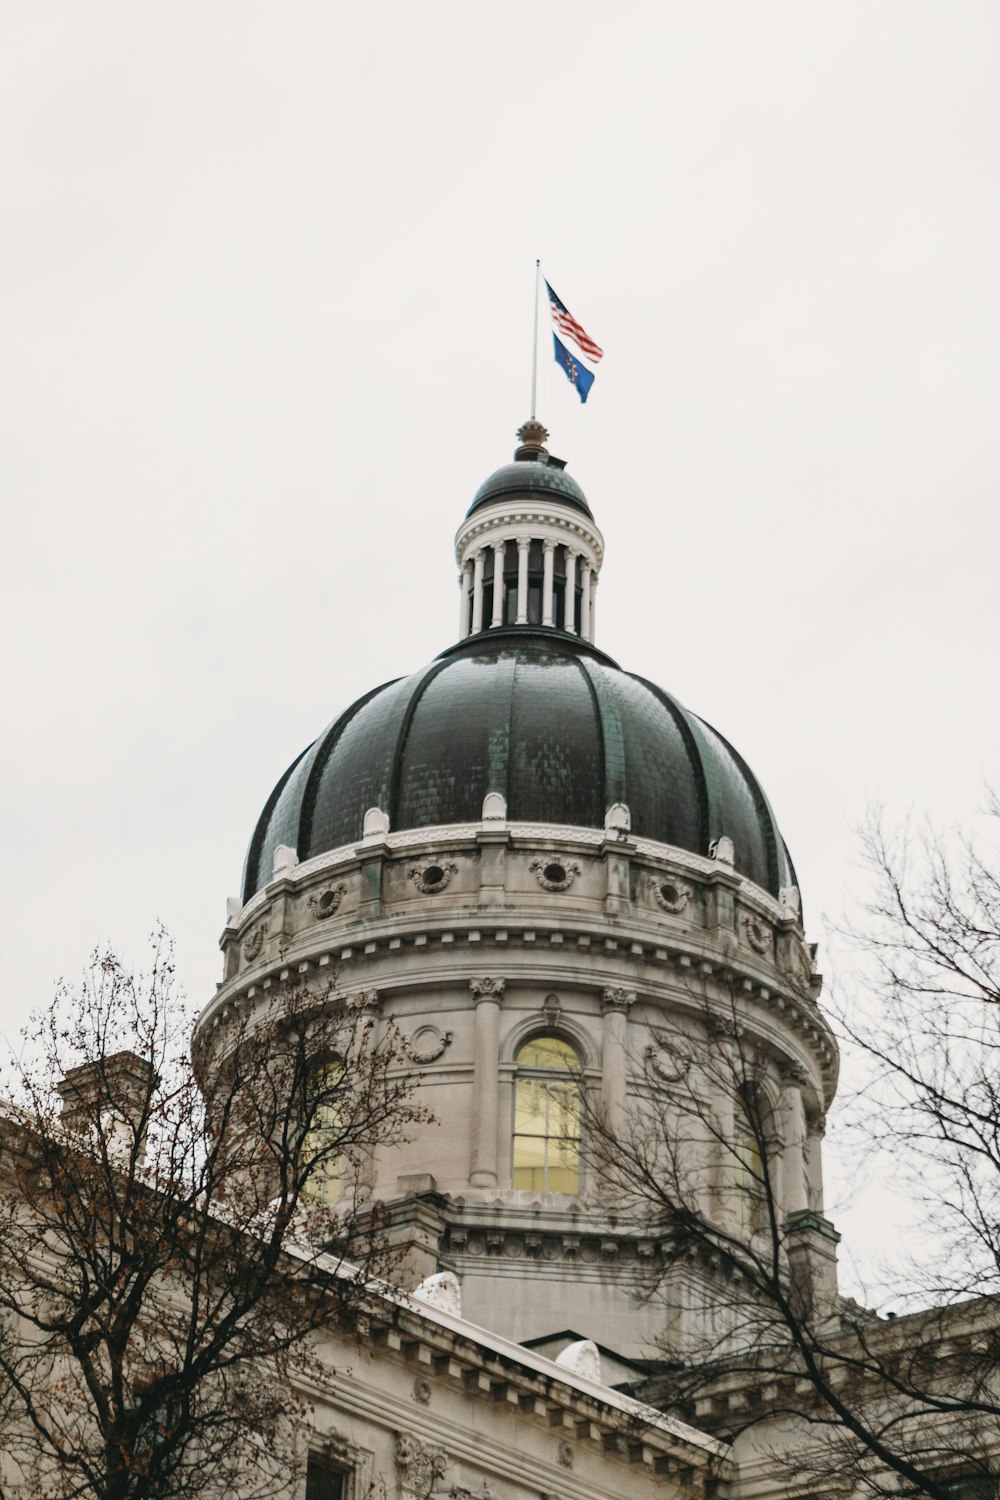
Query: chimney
{"type": "Point", "coordinates": [111, 1093]}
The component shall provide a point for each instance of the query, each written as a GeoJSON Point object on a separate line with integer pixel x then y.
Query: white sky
{"type": "Point", "coordinates": [266, 277]}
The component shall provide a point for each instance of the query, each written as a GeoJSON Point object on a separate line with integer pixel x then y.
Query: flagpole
{"type": "Point", "coordinates": [534, 343]}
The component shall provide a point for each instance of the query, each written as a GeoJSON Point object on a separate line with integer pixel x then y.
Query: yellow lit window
{"type": "Point", "coordinates": [547, 1155]}
{"type": "Point", "coordinates": [326, 1182]}
{"type": "Point", "coordinates": [749, 1173]}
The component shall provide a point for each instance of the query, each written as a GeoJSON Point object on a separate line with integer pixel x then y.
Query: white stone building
{"type": "Point", "coordinates": [553, 879]}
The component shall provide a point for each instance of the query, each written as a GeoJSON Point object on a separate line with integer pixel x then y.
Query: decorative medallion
{"type": "Point", "coordinates": [552, 1010]}
{"type": "Point", "coordinates": [670, 895]}
{"type": "Point", "coordinates": [426, 1045]}
{"type": "Point", "coordinates": [422, 1391]}
{"type": "Point", "coordinates": [326, 903]}
{"type": "Point", "coordinates": [757, 935]}
{"type": "Point", "coordinates": [429, 879]}
{"type": "Point", "coordinates": [667, 1072]}
{"type": "Point", "coordinates": [553, 874]}
{"type": "Point", "coordinates": [566, 1454]}
{"type": "Point", "coordinates": [254, 943]}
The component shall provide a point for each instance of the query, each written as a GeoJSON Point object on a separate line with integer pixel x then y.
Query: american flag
{"type": "Point", "coordinates": [567, 324]}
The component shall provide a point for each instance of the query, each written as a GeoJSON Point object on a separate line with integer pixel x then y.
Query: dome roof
{"type": "Point", "coordinates": [543, 718]}
{"type": "Point", "coordinates": [533, 479]}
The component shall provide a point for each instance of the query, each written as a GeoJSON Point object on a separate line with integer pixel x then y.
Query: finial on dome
{"type": "Point", "coordinates": [532, 435]}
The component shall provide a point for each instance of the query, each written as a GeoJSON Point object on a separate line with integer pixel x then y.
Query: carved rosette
{"type": "Point", "coordinates": [325, 903]}
{"type": "Point", "coordinates": [554, 874]}
{"type": "Point", "coordinates": [487, 989]}
{"type": "Point", "coordinates": [617, 999]}
{"type": "Point", "coordinates": [757, 935]}
{"type": "Point", "coordinates": [430, 879]}
{"type": "Point", "coordinates": [426, 1045]}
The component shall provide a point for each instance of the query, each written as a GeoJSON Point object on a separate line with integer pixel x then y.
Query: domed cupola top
{"type": "Point", "coordinates": [528, 549]}
{"type": "Point", "coordinates": [534, 474]}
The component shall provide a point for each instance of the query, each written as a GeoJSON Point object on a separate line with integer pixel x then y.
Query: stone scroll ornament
{"type": "Point", "coordinates": [326, 902]}
{"type": "Point", "coordinates": [426, 1045]}
{"type": "Point", "coordinates": [553, 875]}
{"type": "Point", "coordinates": [432, 878]}
{"type": "Point", "coordinates": [254, 943]}
{"type": "Point", "coordinates": [669, 895]}
{"type": "Point", "coordinates": [757, 935]}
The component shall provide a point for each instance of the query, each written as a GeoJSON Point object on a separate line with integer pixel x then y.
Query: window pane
{"type": "Point", "coordinates": [548, 1052]}
{"type": "Point", "coordinates": [546, 1145]}
{"type": "Point", "coordinates": [530, 1107]}
{"type": "Point", "coordinates": [323, 1482]}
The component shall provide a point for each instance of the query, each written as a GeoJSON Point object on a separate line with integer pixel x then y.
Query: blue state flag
{"type": "Point", "coordinates": [577, 374]}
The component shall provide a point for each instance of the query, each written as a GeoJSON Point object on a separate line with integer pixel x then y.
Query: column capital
{"type": "Point", "coordinates": [548, 544]}
{"type": "Point", "coordinates": [487, 989]}
{"type": "Point", "coordinates": [523, 543]}
{"type": "Point", "coordinates": [793, 1075]}
{"type": "Point", "coordinates": [617, 999]}
{"type": "Point", "coordinates": [369, 1000]}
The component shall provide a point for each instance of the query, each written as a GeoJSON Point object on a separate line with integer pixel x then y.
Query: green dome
{"type": "Point", "coordinates": [533, 479]}
{"type": "Point", "coordinates": [546, 720]}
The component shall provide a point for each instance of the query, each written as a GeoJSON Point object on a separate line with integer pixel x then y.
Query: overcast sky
{"type": "Point", "coordinates": [266, 308]}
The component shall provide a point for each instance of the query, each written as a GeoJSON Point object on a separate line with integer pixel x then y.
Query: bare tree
{"type": "Point", "coordinates": [756, 1345]}
{"type": "Point", "coordinates": [170, 1243]}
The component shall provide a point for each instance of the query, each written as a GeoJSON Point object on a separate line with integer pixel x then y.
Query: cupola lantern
{"type": "Point", "coordinates": [528, 550]}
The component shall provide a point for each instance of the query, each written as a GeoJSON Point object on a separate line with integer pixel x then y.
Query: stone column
{"type": "Point", "coordinates": [477, 593]}
{"type": "Point", "coordinates": [548, 562]}
{"type": "Point", "coordinates": [793, 1140]}
{"type": "Point", "coordinates": [569, 613]}
{"type": "Point", "coordinates": [498, 551]}
{"type": "Point", "coordinates": [593, 605]}
{"type": "Point", "coordinates": [815, 1131]}
{"type": "Point", "coordinates": [615, 1006]}
{"type": "Point", "coordinates": [724, 1145]}
{"type": "Point", "coordinates": [486, 995]}
{"type": "Point", "coordinates": [369, 1004]}
{"type": "Point", "coordinates": [585, 601]}
{"type": "Point", "coordinates": [523, 548]}
{"type": "Point", "coordinates": [465, 608]}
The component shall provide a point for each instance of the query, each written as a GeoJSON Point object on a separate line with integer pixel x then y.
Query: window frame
{"type": "Point", "coordinates": [524, 1074]}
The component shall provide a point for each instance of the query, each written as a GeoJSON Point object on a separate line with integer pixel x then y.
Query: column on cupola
{"type": "Point", "coordinates": [548, 549]}
{"type": "Point", "coordinates": [792, 1115]}
{"type": "Point", "coordinates": [368, 1004]}
{"type": "Point", "coordinates": [523, 549]}
{"type": "Point", "coordinates": [615, 1006]}
{"type": "Point", "coordinates": [815, 1131]}
{"type": "Point", "coordinates": [723, 1125]}
{"type": "Point", "coordinates": [487, 995]}
{"type": "Point", "coordinates": [498, 551]}
{"type": "Point", "coordinates": [465, 610]}
{"type": "Point", "coordinates": [477, 593]}
{"type": "Point", "coordinates": [585, 631]}
{"type": "Point", "coordinates": [569, 610]}
{"type": "Point", "coordinates": [593, 605]}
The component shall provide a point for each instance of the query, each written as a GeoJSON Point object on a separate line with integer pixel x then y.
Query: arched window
{"type": "Point", "coordinates": [547, 1154]}
{"type": "Point", "coordinates": [749, 1163]}
{"type": "Point", "coordinates": [325, 1183]}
